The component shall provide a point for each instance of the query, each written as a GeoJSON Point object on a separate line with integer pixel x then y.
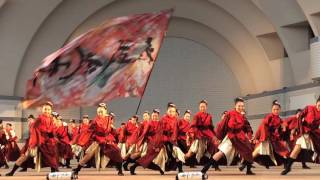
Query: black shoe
{"type": "Point", "coordinates": [125, 166]}
{"type": "Point", "coordinates": [204, 176]}
{"type": "Point", "coordinates": [286, 171]}
{"type": "Point", "coordinates": [161, 172]}
{"type": "Point", "coordinates": [249, 172]}
{"type": "Point", "coordinates": [242, 167]}
{"type": "Point", "coordinates": [9, 174]}
{"type": "Point", "coordinates": [249, 166]}
{"type": "Point", "coordinates": [180, 164]}
{"type": "Point", "coordinates": [217, 168]}
{"type": "Point", "coordinates": [290, 161]}
{"type": "Point", "coordinates": [77, 170]}
{"type": "Point", "coordinates": [133, 169]}
{"type": "Point", "coordinates": [54, 170]}
{"type": "Point", "coordinates": [208, 165]}
{"type": "Point", "coordinates": [119, 168]}
{"type": "Point", "coordinates": [14, 169]}
{"type": "Point", "coordinates": [67, 165]}
{"type": "Point", "coordinates": [267, 167]}
{"type": "Point", "coordinates": [304, 166]}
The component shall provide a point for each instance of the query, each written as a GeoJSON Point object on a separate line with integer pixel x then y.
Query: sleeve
{"type": "Point", "coordinates": [221, 129]}
{"type": "Point", "coordinates": [248, 128]}
{"type": "Point", "coordinates": [175, 132]}
{"type": "Point", "coordinates": [142, 136]}
{"type": "Point", "coordinates": [34, 135]}
{"type": "Point", "coordinates": [194, 121]}
{"type": "Point", "coordinates": [309, 115]}
{"type": "Point", "coordinates": [262, 132]}
{"type": "Point", "coordinates": [121, 135]}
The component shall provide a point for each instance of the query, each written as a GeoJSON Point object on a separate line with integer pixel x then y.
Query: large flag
{"type": "Point", "coordinates": [112, 60]}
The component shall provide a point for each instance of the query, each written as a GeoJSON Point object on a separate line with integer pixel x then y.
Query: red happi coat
{"type": "Point", "coordinates": [169, 127]}
{"type": "Point", "coordinates": [103, 133]}
{"type": "Point", "coordinates": [309, 122]}
{"type": "Point", "coordinates": [64, 148]}
{"type": "Point", "coordinates": [12, 148]}
{"type": "Point", "coordinates": [152, 133]}
{"type": "Point", "coordinates": [143, 130]}
{"type": "Point", "coordinates": [155, 133]}
{"type": "Point", "coordinates": [202, 125]}
{"type": "Point", "coordinates": [132, 133]}
{"type": "Point", "coordinates": [3, 141]}
{"type": "Point", "coordinates": [73, 133]}
{"type": "Point", "coordinates": [30, 161]}
{"type": "Point", "coordinates": [235, 126]}
{"type": "Point", "coordinates": [270, 129]}
{"type": "Point", "coordinates": [183, 128]}
{"type": "Point", "coordinates": [83, 138]}
{"type": "Point", "coordinates": [121, 135]}
{"type": "Point", "coordinates": [202, 128]}
{"type": "Point", "coordinates": [292, 124]}
{"type": "Point", "coordinates": [311, 119]}
{"type": "Point", "coordinates": [39, 136]}
{"type": "Point", "coordinates": [61, 132]}
{"type": "Point", "coordinates": [183, 134]}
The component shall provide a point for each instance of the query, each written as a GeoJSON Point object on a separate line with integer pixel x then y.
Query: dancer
{"type": "Point", "coordinates": [63, 142]}
{"type": "Point", "coordinates": [271, 148]}
{"type": "Point", "coordinates": [104, 142]}
{"type": "Point", "coordinates": [41, 142]}
{"type": "Point", "coordinates": [309, 137]}
{"type": "Point", "coordinates": [205, 143]}
{"type": "Point", "coordinates": [151, 139]}
{"type": "Point", "coordinates": [292, 133]}
{"type": "Point", "coordinates": [234, 132]}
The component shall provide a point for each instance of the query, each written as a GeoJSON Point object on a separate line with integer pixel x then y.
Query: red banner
{"type": "Point", "coordinates": [110, 61]}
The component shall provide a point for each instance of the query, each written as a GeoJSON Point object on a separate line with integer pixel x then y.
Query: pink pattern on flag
{"type": "Point", "coordinates": [110, 61]}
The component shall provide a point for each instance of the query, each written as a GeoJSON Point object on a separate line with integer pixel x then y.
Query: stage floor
{"type": "Point", "coordinates": [227, 173]}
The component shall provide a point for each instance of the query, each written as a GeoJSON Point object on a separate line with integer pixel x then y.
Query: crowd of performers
{"type": "Point", "coordinates": [168, 142]}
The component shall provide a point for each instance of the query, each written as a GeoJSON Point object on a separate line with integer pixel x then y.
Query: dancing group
{"type": "Point", "coordinates": [167, 143]}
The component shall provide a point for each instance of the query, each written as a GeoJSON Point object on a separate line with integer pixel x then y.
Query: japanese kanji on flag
{"type": "Point", "coordinates": [110, 61]}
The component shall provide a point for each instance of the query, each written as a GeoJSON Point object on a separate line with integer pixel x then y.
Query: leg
{"type": "Point", "coordinates": [294, 154]}
{"type": "Point", "coordinates": [6, 166]}
{"type": "Point", "coordinates": [68, 163]}
{"type": "Point", "coordinates": [213, 161]}
{"type": "Point", "coordinates": [133, 168]}
{"type": "Point", "coordinates": [255, 153]}
{"type": "Point", "coordinates": [249, 166]}
{"type": "Point", "coordinates": [86, 157]}
{"type": "Point", "coordinates": [180, 164]}
{"type": "Point", "coordinates": [156, 167]}
{"type": "Point", "coordinates": [119, 168]}
{"type": "Point", "coordinates": [18, 163]}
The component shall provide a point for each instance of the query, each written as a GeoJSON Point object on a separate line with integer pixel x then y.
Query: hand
{"type": "Point", "coordinates": [291, 137]}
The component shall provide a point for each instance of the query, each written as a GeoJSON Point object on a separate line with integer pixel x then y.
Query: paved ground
{"type": "Point", "coordinates": [227, 173]}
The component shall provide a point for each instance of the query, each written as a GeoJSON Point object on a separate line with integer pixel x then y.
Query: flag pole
{"type": "Point", "coordinates": [145, 87]}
